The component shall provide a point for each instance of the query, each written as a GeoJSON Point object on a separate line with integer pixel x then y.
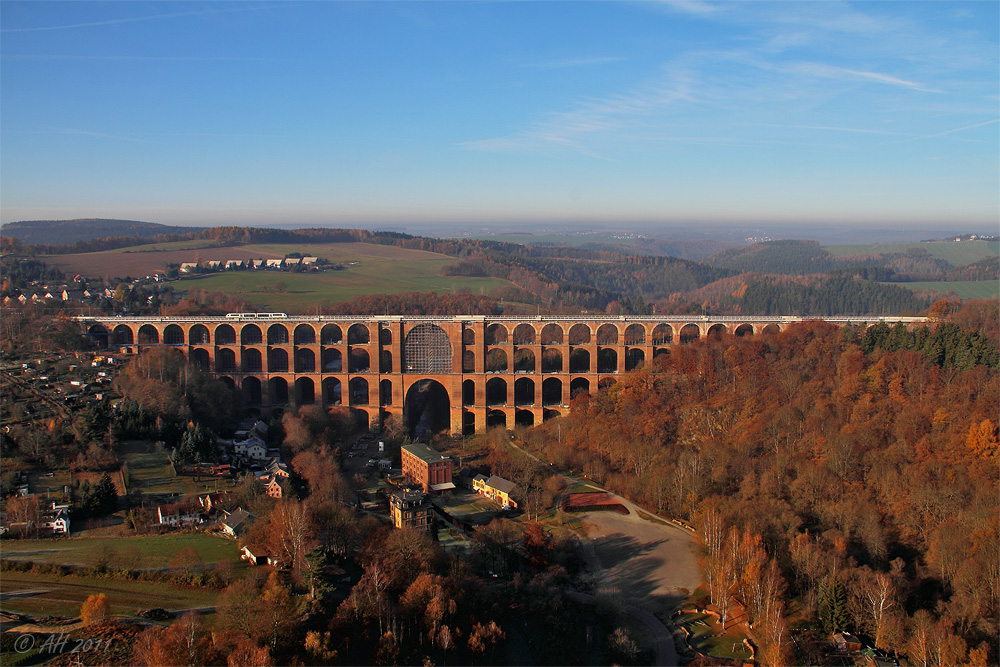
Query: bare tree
{"type": "Point", "coordinates": [290, 534]}
{"type": "Point", "coordinates": [879, 597]}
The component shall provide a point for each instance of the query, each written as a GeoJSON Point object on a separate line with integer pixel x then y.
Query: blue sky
{"type": "Point", "coordinates": [377, 113]}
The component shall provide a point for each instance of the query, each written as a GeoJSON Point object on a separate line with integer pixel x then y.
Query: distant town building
{"type": "Point", "coordinates": [426, 467]}
{"type": "Point", "coordinates": [410, 509]}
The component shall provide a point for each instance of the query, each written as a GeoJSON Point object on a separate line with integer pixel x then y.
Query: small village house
{"type": "Point", "coordinates": [496, 489]}
{"type": "Point", "coordinates": [236, 523]}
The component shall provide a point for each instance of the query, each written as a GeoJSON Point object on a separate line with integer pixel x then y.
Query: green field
{"type": "Point", "coordinates": [54, 595]}
{"type": "Point", "coordinates": [160, 247]}
{"type": "Point", "coordinates": [369, 276]}
{"type": "Point", "coordinates": [151, 472]}
{"type": "Point", "coordinates": [967, 289]}
{"type": "Point", "coordinates": [138, 551]}
{"type": "Point", "coordinates": [707, 636]}
{"type": "Point", "coordinates": [570, 240]}
{"type": "Point", "coordinates": [957, 254]}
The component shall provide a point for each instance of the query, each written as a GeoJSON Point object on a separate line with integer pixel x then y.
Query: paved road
{"type": "Point", "coordinates": [646, 560]}
{"type": "Point", "coordinates": [646, 564]}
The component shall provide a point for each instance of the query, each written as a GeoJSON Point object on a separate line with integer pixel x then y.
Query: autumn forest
{"type": "Point", "coordinates": [861, 479]}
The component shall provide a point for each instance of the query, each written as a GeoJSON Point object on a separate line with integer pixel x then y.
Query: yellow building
{"type": "Point", "coordinates": [496, 489]}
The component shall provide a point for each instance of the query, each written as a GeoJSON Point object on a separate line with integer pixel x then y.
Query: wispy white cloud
{"type": "Point", "coordinates": [576, 62]}
{"type": "Point", "coordinates": [699, 7]}
{"type": "Point", "coordinates": [843, 73]}
{"type": "Point", "coordinates": [154, 137]}
{"type": "Point", "coordinates": [91, 133]}
{"type": "Point", "coordinates": [955, 130]}
{"type": "Point", "coordinates": [130, 19]}
{"type": "Point", "coordinates": [829, 128]}
{"type": "Point", "coordinates": [571, 129]}
{"type": "Point", "coordinates": [967, 127]}
{"type": "Point", "coordinates": [55, 56]}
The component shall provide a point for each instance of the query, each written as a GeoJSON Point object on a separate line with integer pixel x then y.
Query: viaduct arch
{"type": "Point", "coordinates": [496, 371]}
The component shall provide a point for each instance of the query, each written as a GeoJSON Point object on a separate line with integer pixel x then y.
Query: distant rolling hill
{"type": "Point", "coordinates": [787, 257]}
{"type": "Point", "coordinates": [57, 232]}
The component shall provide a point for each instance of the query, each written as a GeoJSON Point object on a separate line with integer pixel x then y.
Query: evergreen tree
{"type": "Point", "coordinates": [832, 605]}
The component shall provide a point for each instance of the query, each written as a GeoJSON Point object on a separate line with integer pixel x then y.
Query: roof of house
{"type": "Point", "coordinates": [409, 497]}
{"type": "Point", "coordinates": [238, 519]}
{"type": "Point", "coordinates": [425, 453]}
{"type": "Point", "coordinates": [500, 484]}
{"type": "Point", "coordinates": [255, 552]}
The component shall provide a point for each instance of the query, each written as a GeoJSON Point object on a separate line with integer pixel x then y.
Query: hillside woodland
{"type": "Point", "coordinates": [840, 479]}
{"type": "Point", "coordinates": [790, 277]}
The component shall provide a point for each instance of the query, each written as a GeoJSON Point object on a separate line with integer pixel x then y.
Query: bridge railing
{"type": "Point", "coordinates": [781, 319]}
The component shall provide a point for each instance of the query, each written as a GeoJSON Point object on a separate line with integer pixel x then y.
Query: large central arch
{"type": "Point", "coordinates": [427, 409]}
{"type": "Point", "coordinates": [471, 372]}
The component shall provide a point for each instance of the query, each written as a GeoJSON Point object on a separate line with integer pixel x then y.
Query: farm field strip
{"type": "Point", "coordinates": [304, 291]}
{"type": "Point", "coordinates": [370, 269]}
{"type": "Point", "coordinates": [153, 551]}
{"type": "Point", "coordinates": [958, 254]}
{"type": "Point", "coordinates": [148, 259]}
{"type": "Point", "coordinates": [965, 289]}
{"type": "Point", "coordinates": [64, 595]}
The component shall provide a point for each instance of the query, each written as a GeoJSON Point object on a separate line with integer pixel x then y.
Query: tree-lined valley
{"type": "Point", "coordinates": [833, 484]}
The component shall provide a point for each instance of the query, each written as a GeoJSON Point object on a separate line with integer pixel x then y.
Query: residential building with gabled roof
{"type": "Point", "coordinates": [410, 509]}
{"type": "Point", "coordinates": [235, 523]}
{"type": "Point", "coordinates": [496, 489]}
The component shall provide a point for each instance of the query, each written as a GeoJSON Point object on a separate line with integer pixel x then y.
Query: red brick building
{"type": "Point", "coordinates": [426, 467]}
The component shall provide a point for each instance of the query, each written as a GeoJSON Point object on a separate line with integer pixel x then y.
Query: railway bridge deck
{"type": "Point", "coordinates": [493, 370]}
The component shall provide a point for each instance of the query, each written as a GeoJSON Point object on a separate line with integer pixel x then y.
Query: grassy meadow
{"type": "Point", "coordinates": [137, 552]}
{"type": "Point", "coordinates": [964, 289]}
{"type": "Point", "coordinates": [956, 253]}
{"type": "Point", "coordinates": [301, 292]}
{"type": "Point", "coordinates": [150, 470]}
{"type": "Point", "coordinates": [56, 595]}
{"type": "Point", "coordinates": [368, 269]}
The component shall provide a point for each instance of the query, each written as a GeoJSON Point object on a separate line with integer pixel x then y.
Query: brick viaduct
{"type": "Point", "coordinates": [493, 370]}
